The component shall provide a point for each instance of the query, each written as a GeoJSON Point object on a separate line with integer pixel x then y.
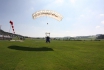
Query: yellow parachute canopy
{"type": "Point", "coordinates": [47, 13]}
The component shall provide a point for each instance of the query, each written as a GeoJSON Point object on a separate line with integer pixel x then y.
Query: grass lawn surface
{"type": "Point", "coordinates": [57, 55]}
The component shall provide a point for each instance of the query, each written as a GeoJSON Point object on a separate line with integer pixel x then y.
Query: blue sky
{"type": "Point", "coordinates": [80, 17]}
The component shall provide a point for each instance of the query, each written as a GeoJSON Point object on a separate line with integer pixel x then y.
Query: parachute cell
{"type": "Point", "coordinates": [47, 13]}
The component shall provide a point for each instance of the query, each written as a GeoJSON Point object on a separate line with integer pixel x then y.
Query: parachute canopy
{"type": "Point", "coordinates": [47, 13]}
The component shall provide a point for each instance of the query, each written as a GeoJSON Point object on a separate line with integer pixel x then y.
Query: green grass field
{"type": "Point", "coordinates": [57, 55]}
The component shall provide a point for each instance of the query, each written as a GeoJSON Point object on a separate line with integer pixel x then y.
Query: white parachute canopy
{"type": "Point", "coordinates": [47, 13]}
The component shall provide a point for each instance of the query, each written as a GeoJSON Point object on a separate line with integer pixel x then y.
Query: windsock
{"type": "Point", "coordinates": [12, 26]}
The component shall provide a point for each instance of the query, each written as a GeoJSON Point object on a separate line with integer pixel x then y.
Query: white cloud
{"type": "Point", "coordinates": [63, 34]}
{"type": "Point", "coordinates": [102, 22]}
{"type": "Point", "coordinates": [59, 1]}
{"type": "Point", "coordinates": [98, 27]}
{"type": "Point", "coordinates": [54, 4]}
{"type": "Point", "coordinates": [67, 19]}
{"type": "Point", "coordinates": [73, 1]}
{"type": "Point", "coordinates": [67, 31]}
{"type": "Point", "coordinates": [102, 15]}
{"type": "Point", "coordinates": [81, 15]}
{"type": "Point", "coordinates": [32, 8]}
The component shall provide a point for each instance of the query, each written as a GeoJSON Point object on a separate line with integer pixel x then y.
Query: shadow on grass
{"type": "Point", "coordinates": [22, 48]}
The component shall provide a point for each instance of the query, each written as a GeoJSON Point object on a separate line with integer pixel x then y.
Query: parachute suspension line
{"type": "Point", "coordinates": [47, 19]}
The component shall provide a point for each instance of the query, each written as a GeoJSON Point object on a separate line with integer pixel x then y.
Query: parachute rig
{"type": "Point", "coordinates": [47, 13]}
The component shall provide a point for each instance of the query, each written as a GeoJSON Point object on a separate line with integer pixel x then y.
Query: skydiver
{"type": "Point", "coordinates": [47, 39]}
